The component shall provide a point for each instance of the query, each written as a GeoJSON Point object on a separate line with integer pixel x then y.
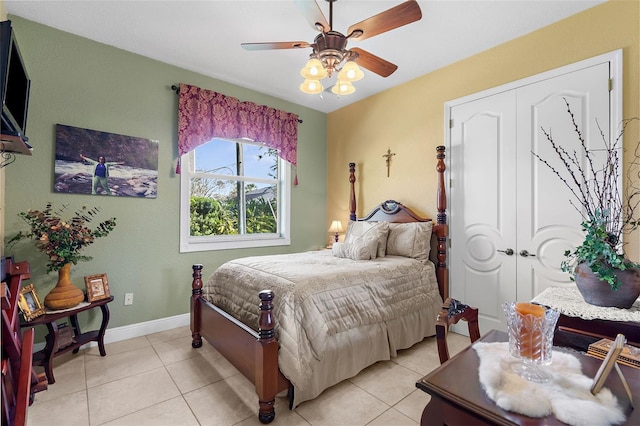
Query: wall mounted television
{"type": "Point", "coordinates": [14, 85]}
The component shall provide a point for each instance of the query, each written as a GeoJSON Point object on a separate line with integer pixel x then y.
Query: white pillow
{"type": "Point", "coordinates": [353, 251]}
{"type": "Point", "coordinates": [410, 240]}
{"type": "Point", "coordinates": [360, 229]}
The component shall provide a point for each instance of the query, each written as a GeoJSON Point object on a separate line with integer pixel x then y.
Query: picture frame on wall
{"type": "Point", "coordinates": [97, 287]}
{"type": "Point", "coordinates": [29, 303]}
{"type": "Point", "coordinates": [105, 164]}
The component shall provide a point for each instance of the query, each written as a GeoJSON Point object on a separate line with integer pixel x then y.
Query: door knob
{"type": "Point", "coordinates": [508, 252]}
{"type": "Point", "coordinates": [525, 253]}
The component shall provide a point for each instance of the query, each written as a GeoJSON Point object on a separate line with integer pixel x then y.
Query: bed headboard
{"type": "Point", "coordinates": [394, 211]}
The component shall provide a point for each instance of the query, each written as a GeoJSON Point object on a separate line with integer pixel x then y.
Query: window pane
{"type": "Point", "coordinates": [218, 156]}
{"type": "Point", "coordinates": [260, 161]}
{"type": "Point", "coordinates": [215, 208]}
{"type": "Point", "coordinates": [261, 209]}
{"type": "Point", "coordinates": [213, 217]}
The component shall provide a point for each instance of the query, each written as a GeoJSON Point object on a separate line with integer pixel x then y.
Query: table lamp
{"type": "Point", "coordinates": [336, 228]}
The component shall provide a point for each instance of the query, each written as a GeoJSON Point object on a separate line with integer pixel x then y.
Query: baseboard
{"type": "Point", "coordinates": [136, 330]}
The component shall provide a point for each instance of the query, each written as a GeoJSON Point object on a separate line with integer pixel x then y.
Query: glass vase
{"type": "Point", "coordinates": [531, 328]}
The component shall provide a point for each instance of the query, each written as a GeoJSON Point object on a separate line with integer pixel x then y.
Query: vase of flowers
{"type": "Point", "coordinates": [62, 241]}
{"type": "Point", "coordinates": [601, 270]}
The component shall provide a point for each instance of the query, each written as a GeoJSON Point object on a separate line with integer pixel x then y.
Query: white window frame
{"type": "Point", "coordinates": [226, 242]}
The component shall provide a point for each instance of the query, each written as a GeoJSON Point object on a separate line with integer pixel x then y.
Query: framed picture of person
{"type": "Point", "coordinates": [100, 163]}
{"type": "Point", "coordinates": [97, 287]}
{"type": "Point", "coordinates": [29, 303]}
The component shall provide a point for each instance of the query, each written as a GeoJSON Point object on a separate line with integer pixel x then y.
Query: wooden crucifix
{"type": "Point", "coordinates": [387, 157]}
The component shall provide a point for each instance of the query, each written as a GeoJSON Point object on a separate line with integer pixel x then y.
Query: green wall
{"type": "Point", "coordinates": [78, 82]}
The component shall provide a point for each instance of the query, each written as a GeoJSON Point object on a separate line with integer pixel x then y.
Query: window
{"type": "Point", "coordinates": [234, 194]}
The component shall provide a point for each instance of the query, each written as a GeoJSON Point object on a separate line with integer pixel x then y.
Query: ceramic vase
{"type": "Point", "coordinates": [600, 293]}
{"type": "Point", "coordinates": [64, 295]}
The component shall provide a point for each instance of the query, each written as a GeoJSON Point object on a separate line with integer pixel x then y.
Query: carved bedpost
{"type": "Point", "coordinates": [266, 380]}
{"type": "Point", "coordinates": [196, 293]}
{"type": "Point", "coordinates": [441, 194]}
{"type": "Point", "coordinates": [352, 193]}
{"type": "Point", "coordinates": [441, 205]}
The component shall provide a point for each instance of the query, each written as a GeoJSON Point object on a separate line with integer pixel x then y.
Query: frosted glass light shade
{"type": "Point", "coordinates": [350, 72]}
{"type": "Point", "coordinates": [343, 88]}
{"type": "Point", "coordinates": [311, 87]}
{"type": "Point", "coordinates": [313, 70]}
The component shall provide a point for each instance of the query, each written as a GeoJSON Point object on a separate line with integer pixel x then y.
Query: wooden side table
{"type": "Point", "coordinates": [457, 397]}
{"type": "Point", "coordinates": [53, 347]}
{"type": "Point", "coordinates": [581, 324]}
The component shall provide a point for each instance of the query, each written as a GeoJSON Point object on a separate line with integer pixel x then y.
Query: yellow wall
{"type": "Point", "coordinates": [409, 119]}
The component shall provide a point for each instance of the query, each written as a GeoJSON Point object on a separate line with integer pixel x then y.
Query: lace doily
{"type": "Point", "coordinates": [569, 301]}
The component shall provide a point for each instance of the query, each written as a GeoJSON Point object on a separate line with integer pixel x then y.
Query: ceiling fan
{"type": "Point", "coordinates": [330, 46]}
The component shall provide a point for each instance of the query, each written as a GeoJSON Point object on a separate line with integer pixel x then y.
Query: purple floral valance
{"type": "Point", "coordinates": [205, 114]}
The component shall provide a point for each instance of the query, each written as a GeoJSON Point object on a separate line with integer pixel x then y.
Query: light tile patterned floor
{"type": "Point", "coordinates": [160, 380]}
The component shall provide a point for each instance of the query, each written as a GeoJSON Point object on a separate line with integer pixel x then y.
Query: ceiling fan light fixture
{"type": "Point", "coordinates": [313, 70]}
{"type": "Point", "coordinates": [311, 86]}
{"type": "Point", "coordinates": [350, 72]}
{"type": "Point", "coordinates": [342, 88]}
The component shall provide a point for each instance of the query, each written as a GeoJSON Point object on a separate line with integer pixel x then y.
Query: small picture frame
{"type": "Point", "coordinates": [29, 303]}
{"type": "Point", "coordinates": [608, 363]}
{"type": "Point", "coordinates": [97, 287]}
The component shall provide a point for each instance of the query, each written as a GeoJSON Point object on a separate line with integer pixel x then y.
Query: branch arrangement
{"type": "Point", "coordinates": [593, 176]}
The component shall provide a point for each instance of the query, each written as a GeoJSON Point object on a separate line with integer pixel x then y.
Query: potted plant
{"type": "Point", "coordinates": [603, 274]}
{"type": "Point", "coordinates": [62, 241]}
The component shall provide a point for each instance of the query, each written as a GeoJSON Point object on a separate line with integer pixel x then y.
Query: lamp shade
{"type": "Point", "coordinates": [311, 87]}
{"type": "Point", "coordinates": [350, 72]}
{"type": "Point", "coordinates": [313, 70]}
{"type": "Point", "coordinates": [336, 226]}
{"type": "Point", "coordinates": [343, 88]}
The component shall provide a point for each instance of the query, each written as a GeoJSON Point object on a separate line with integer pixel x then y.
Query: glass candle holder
{"type": "Point", "coordinates": [530, 329]}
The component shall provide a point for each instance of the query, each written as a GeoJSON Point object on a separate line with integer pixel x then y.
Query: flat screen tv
{"type": "Point", "coordinates": [14, 84]}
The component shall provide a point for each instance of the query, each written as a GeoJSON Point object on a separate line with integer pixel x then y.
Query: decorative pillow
{"type": "Point", "coordinates": [353, 251]}
{"type": "Point", "coordinates": [359, 229]}
{"type": "Point", "coordinates": [410, 240]}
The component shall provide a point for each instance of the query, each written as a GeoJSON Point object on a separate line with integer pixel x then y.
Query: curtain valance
{"type": "Point", "coordinates": [205, 114]}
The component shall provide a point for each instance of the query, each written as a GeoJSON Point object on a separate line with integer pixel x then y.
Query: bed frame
{"type": "Point", "coordinates": [255, 354]}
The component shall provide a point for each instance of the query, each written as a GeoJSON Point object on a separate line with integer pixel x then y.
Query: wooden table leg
{"type": "Point", "coordinates": [103, 329]}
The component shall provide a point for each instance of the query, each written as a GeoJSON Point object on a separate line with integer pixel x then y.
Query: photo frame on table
{"type": "Point", "coordinates": [29, 303]}
{"type": "Point", "coordinates": [97, 287]}
{"type": "Point", "coordinates": [610, 363]}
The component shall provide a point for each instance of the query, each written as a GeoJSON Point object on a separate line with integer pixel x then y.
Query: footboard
{"type": "Point", "coordinates": [254, 354]}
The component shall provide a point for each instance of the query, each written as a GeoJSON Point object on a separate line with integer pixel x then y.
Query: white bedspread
{"type": "Point", "coordinates": [319, 297]}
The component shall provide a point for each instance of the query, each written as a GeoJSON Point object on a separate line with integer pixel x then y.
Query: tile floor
{"type": "Point", "coordinates": [160, 380]}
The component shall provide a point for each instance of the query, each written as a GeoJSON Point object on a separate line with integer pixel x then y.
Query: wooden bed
{"type": "Point", "coordinates": [254, 352]}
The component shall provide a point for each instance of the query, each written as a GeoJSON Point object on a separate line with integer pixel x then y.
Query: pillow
{"type": "Point", "coordinates": [359, 229]}
{"type": "Point", "coordinates": [353, 251]}
{"type": "Point", "coordinates": [410, 240]}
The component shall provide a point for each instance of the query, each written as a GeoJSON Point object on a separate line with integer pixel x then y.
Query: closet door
{"type": "Point", "coordinates": [548, 224]}
{"type": "Point", "coordinates": [482, 205]}
{"type": "Point", "coordinates": [510, 217]}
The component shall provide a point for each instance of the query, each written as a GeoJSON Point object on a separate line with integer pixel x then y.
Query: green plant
{"type": "Point", "coordinates": [63, 240]}
{"type": "Point", "coordinates": [593, 179]}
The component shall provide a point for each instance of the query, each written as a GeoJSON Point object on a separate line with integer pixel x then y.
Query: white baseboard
{"type": "Point", "coordinates": [136, 330]}
{"type": "Point", "coordinates": [143, 328]}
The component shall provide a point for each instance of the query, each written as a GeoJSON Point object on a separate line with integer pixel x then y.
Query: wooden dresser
{"type": "Point", "coordinates": [19, 381]}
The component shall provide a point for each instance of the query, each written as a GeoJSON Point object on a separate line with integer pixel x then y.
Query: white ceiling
{"type": "Point", "coordinates": [205, 36]}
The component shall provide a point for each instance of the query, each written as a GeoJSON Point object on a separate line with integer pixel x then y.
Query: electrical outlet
{"type": "Point", "coordinates": [128, 299]}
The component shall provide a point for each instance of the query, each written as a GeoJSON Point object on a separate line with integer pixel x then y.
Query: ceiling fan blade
{"type": "Point", "coordinates": [275, 45]}
{"type": "Point", "coordinates": [374, 63]}
{"type": "Point", "coordinates": [312, 12]}
{"type": "Point", "coordinates": [402, 14]}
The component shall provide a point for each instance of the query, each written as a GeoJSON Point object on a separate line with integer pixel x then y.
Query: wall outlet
{"type": "Point", "coordinates": [128, 299]}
